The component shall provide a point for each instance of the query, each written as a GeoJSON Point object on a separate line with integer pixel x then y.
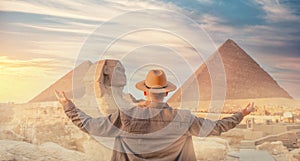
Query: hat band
{"type": "Point", "coordinates": [155, 87]}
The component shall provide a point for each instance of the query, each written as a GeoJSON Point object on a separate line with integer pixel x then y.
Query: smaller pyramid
{"type": "Point", "coordinates": [65, 84]}
{"type": "Point", "coordinates": [245, 79]}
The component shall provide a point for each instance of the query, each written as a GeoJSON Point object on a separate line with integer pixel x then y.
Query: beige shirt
{"type": "Point", "coordinates": [154, 132]}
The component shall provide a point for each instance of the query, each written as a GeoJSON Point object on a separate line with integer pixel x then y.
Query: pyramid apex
{"type": "Point", "coordinates": [231, 48]}
{"type": "Point", "coordinates": [229, 42]}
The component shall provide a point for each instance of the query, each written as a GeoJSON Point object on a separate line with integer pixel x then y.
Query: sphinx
{"type": "Point", "coordinates": [104, 84]}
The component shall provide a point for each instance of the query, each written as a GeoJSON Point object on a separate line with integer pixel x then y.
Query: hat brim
{"type": "Point", "coordinates": [141, 86]}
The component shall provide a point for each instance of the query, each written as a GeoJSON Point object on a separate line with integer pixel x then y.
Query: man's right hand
{"type": "Point", "coordinates": [61, 97]}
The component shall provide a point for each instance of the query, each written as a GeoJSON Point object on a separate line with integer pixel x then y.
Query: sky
{"type": "Point", "coordinates": [42, 40]}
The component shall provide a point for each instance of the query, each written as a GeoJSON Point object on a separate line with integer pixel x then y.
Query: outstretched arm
{"type": "Point", "coordinates": [204, 127]}
{"type": "Point", "coordinates": [101, 126]}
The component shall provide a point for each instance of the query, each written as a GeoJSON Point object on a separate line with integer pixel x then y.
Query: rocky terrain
{"type": "Point", "coordinates": [18, 150]}
{"type": "Point", "coordinates": [38, 132]}
{"type": "Point", "coordinates": [41, 131]}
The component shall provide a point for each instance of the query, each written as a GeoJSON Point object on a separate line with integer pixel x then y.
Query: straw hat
{"type": "Point", "coordinates": [156, 82]}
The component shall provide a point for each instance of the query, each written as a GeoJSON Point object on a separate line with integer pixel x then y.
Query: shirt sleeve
{"type": "Point", "coordinates": [205, 127]}
{"type": "Point", "coordinates": [102, 126]}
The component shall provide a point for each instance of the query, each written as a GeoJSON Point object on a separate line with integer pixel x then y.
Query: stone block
{"type": "Point", "coordinates": [210, 148]}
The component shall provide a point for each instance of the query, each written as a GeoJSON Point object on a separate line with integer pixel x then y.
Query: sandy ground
{"type": "Point", "coordinates": [43, 123]}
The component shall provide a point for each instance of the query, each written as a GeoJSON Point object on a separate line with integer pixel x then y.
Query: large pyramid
{"type": "Point", "coordinates": [65, 84]}
{"type": "Point", "coordinates": [245, 79]}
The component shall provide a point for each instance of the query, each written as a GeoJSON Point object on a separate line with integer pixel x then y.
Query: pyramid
{"type": "Point", "coordinates": [245, 79]}
{"type": "Point", "coordinates": [65, 84]}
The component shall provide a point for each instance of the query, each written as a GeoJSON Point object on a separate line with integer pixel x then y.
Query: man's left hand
{"type": "Point", "coordinates": [248, 109]}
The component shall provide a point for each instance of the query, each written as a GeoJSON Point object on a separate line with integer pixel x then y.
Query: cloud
{"type": "Point", "coordinates": [66, 23]}
{"type": "Point", "coordinates": [73, 28]}
{"type": "Point", "coordinates": [269, 35]}
{"type": "Point", "coordinates": [277, 28]}
{"type": "Point", "coordinates": [264, 35]}
{"type": "Point", "coordinates": [86, 10]}
{"type": "Point", "coordinates": [285, 70]}
{"type": "Point", "coordinates": [206, 1]}
{"type": "Point", "coordinates": [32, 68]}
{"type": "Point", "coordinates": [276, 12]}
{"type": "Point", "coordinates": [214, 24]}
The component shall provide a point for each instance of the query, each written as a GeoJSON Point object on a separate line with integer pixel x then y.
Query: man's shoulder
{"type": "Point", "coordinates": [165, 109]}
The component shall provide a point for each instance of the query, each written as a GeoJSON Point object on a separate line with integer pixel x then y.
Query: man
{"type": "Point", "coordinates": [151, 130]}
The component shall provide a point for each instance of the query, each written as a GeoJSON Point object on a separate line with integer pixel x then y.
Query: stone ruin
{"type": "Point", "coordinates": [104, 84]}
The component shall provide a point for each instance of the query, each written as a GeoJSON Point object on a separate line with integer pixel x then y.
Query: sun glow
{"type": "Point", "coordinates": [20, 80]}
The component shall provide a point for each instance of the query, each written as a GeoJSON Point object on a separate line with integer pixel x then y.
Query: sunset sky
{"type": "Point", "coordinates": [42, 40]}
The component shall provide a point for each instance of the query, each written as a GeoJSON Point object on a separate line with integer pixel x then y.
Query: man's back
{"type": "Point", "coordinates": [155, 132]}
